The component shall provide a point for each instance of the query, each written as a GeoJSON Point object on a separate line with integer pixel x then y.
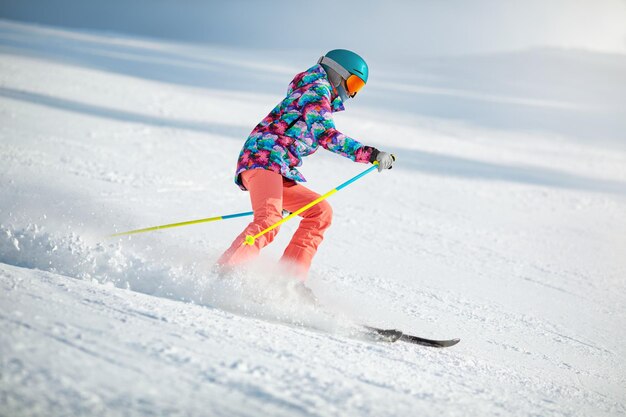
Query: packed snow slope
{"type": "Point", "coordinates": [503, 223]}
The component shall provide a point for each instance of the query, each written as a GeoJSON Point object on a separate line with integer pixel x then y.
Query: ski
{"type": "Point", "coordinates": [392, 335]}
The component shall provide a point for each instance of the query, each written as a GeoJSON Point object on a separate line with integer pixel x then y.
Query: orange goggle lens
{"type": "Point", "coordinates": [354, 84]}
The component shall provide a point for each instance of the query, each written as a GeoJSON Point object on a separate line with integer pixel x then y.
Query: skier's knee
{"type": "Point", "coordinates": [325, 214]}
{"type": "Point", "coordinates": [268, 221]}
{"type": "Point", "coordinates": [271, 234]}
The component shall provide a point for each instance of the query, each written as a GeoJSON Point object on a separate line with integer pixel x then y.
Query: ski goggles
{"type": "Point", "coordinates": [354, 85]}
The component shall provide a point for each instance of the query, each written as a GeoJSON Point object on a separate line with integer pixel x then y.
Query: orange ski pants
{"type": "Point", "coordinates": [270, 193]}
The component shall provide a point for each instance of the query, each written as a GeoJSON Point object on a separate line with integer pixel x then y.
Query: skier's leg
{"type": "Point", "coordinates": [266, 195]}
{"type": "Point", "coordinates": [305, 241]}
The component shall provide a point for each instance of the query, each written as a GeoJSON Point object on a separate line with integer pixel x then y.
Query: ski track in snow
{"type": "Point", "coordinates": [510, 239]}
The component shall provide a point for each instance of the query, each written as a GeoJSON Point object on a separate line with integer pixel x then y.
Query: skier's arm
{"type": "Point", "coordinates": [318, 117]}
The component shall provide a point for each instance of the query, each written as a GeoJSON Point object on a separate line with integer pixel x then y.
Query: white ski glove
{"type": "Point", "coordinates": [385, 160]}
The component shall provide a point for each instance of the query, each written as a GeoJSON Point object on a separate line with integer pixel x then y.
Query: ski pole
{"type": "Point", "coordinates": [187, 223]}
{"type": "Point", "coordinates": [250, 239]}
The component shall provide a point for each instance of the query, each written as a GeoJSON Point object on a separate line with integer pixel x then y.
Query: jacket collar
{"type": "Point", "coordinates": [336, 103]}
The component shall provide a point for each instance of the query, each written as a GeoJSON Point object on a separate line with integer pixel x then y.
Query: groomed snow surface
{"type": "Point", "coordinates": [503, 223]}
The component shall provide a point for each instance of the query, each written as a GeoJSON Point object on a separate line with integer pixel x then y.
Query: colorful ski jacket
{"type": "Point", "coordinates": [296, 127]}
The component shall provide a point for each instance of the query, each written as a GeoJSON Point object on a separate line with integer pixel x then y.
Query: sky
{"type": "Point", "coordinates": [415, 28]}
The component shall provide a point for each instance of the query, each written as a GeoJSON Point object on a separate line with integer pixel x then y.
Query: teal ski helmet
{"type": "Point", "coordinates": [347, 64]}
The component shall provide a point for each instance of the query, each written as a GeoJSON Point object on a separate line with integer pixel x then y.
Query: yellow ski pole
{"type": "Point", "coordinates": [251, 239]}
{"type": "Point", "coordinates": [187, 223]}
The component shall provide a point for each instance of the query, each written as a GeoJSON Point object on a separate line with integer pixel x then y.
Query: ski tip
{"type": "Point", "coordinates": [439, 343]}
{"type": "Point", "coordinates": [429, 342]}
{"type": "Point", "coordinates": [450, 342]}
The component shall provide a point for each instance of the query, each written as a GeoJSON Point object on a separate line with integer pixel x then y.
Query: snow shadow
{"type": "Point", "coordinates": [447, 165]}
{"type": "Point", "coordinates": [439, 164]}
{"type": "Point", "coordinates": [486, 91]}
{"type": "Point", "coordinates": [503, 112]}
{"type": "Point", "coordinates": [232, 131]}
{"type": "Point", "coordinates": [206, 67]}
{"type": "Point", "coordinates": [574, 94]}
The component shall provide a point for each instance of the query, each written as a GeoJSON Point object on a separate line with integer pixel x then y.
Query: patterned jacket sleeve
{"type": "Point", "coordinates": [317, 114]}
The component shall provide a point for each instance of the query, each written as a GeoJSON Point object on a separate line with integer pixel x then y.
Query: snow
{"type": "Point", "coordinates": [502, 224]}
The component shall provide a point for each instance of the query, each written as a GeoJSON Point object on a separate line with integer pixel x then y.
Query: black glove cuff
{"type": "Point", "coordinates": [374, 155]}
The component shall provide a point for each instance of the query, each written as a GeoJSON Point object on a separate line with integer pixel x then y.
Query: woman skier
{"type": "Point", "coordinates": [295, 128]}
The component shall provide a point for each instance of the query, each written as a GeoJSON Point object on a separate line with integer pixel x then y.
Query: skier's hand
{"type": "Point", "coordinates": [385, 160]}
